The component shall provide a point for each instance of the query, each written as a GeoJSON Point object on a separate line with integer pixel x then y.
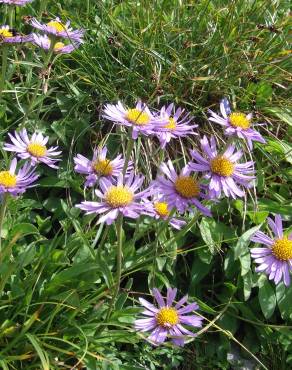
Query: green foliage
{"type": "Point", "coordinates": [58, 267]}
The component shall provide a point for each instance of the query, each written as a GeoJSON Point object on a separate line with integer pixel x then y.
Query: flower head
{"type": "Point", "coordinates": [223, 170]}
{"type": "Point", "coordinates": [59, 47]}
{"type": "Point", "coordinates": [9, 36]}
{"type": "Point", "coordinates": [167, 320]}
{"type": "Point", "coordinates": [100, 166]}
{"type": "Point", "coordinates": [276, 258]}
{"type": "Point", "coordinates": [177, 124]}
{"type": "Point", "coordinates": [15, 184]}
{"type": "Point", "coordinates": [58, 29]}
{"type": "Point", "coordinates": [139, 118]}
{"type": "Point", "coordinates": [117, 198]}
{"type": "Point", "coordinates": [180, 191]}
{"type": "Point", "coordinates": [236, 123]}
{"type": "Point", "coordinates": [16, 2]}
{"type": "Point", "coordinates": [33, 148]}
{"type": "Point", "coordinates": [160, 210]}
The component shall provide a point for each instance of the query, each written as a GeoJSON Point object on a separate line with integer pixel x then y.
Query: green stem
{"type": "Point", "coordinates": [2, 215]}
{"type": "Point", "coordinates": [130, 146]}
{"type": "Point", "coordinates": [11, 11]}
{"type": "Point", "coordinates": [4, 68]}
{"type": "Point", "coordinates": [46, 63]}
{"type": "Point", "coordinates": [119, 226]}
{"type": "Point", "coordinates": [5, 14]}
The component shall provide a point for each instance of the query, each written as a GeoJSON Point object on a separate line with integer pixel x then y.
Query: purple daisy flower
{"type": "Point", "coordinates": [58, 29]}
{"type": "Point", "coordinates": [116, 199]}
{"type": "Point", "coordinates": [177, 125]}
{"type": "Point", "coordinates": [7, 35]}
{"type": "Point", "coordinates": [236, 123]}
{"type": "Point", "coordinates": [100, 166]}
{"type": "Point", "coordinates": [223, 171]}
{"type": "Point", "coordinates": [33, 148]}
{"type": "Point", "coordinates": [180, 191]}
{"type": "Point", "coordinates": [276, 258]}
{"type": "Point", "coordinates": [139, 118]}
{"type": "Point", "coordinates": [59, 48]}
{"type": "Point", "coordinates": [160, 210]}
{"type": "Point", "coordinates": [16, 2]}
{"type": "Point", "coordinates": [167, 320]}
{"type": "Point", "coordinates": [15, 184]}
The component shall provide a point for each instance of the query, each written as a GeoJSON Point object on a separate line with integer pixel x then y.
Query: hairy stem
{"type": "Point", "coordinates": [4, 68]}
{"type": "Point", "coordinates": [46, 63]}
{"type": "Point", "coordinates": [130, 146]}
{"type": "Point", "coordinates": [119, 226]}
{"type": "Point", "coordinates": [2, 215]}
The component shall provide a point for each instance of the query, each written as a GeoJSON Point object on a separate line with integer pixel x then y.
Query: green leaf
{"type": "Point", "coordinates": [275, 207]}
{"type": "Point", "coordinates": [23, 229]}
{"type": "Point", "coordinates": [267, 297]}
{"type": "Point", "coordinates": [42, 355]}
{"type": "Point", "coordinates": [247, 285]}
{"type": "Point", "coordinates": [199, 271]}
{"type": "Point", "coordinates": [52, 182]}
{"type": "Point", "coordinates": [206, 232]}
{"type": "Point", "coordinates": [72, 273]}
{"type": "Point", "coordinates": [242, 244]}
{"type": "Point", "coordinates": [282, 113]}
{"type": "Point", "coordinates": [284, 299]}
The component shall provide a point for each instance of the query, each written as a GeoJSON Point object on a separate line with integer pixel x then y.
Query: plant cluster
{"type": "Point", "coordinates": [156, 206]}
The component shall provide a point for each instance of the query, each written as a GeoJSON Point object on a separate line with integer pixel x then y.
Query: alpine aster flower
{"type": "Point", "coordinates": [139, 118]}
{"type": "Point", "coordinates": [15, 184]}
{"type": "Point", "coordinates": [58, 29]}
{"type": "Point", "coordinates": [33, 148]}
{"type": "Point", "coordinates": [166, 320]}
{"type": "Point", "coordinates": [160, 210]}
{"type": "Point", "coordinates": [59, 48]}
{"type": "Point", "coordinates": [16, 2]}
{"type": "Point", "coordinates": [222, 170]}
{"type": "Point", "coordinates": [180, 191]}
{"type": "Point", "coordinates": [9, 36]}
{"type": "Point", "coordinates": [236, 123]}
{"type": "Point", "coordinates": [177, 124]}
{"type": "Point", "coordinates": [116, 199]}
{"type": "Point", "coordinates": [276, 258]}
{"type": "Point", "coordinates": [99, 166]}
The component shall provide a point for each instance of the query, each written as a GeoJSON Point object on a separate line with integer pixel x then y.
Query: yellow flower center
{"type": "Point", "coordinates": [239, 120]}
{"type": "Point", "coordinates": [171, 124]}
{"type": "Point", "coordinates": [4, 32]}
{"type": "Point", "coordinates": [7, 179]}
{"type": "Point", "coordinates": [103, 167]}
{"type": "Point", "coordinates": [119, 196]}
{"type": "Point", "coordinates": [58, 26]}
{"type": "Point", "coordinates": [37, 150]}
{"type": "Point", "coordinates": [282, 249]}
{"type": "Point", "coordinates": [59, 45]}
{"type": "Point", "coordinates": [161, 208]}
{"type": "Point", "coordinates": [137, 117]}
{"type": "Point", "coordinates": [167, 316]}
{"type": "Point", "coordinates": [222, 166]}
{"type": "Point", "coordinates": [187, 186]}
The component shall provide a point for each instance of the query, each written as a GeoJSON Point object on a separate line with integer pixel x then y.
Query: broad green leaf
{"type": "Point", "coordinates": [23, 229]}
{"type": "Point", "coordinates": [284, 299]}
{"type": "Point", "coordinates": [247, 285]}
{"type": "Point", "coordinates": [199, 271]}
{"type": "Point", "coordinates": [267, 297]}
